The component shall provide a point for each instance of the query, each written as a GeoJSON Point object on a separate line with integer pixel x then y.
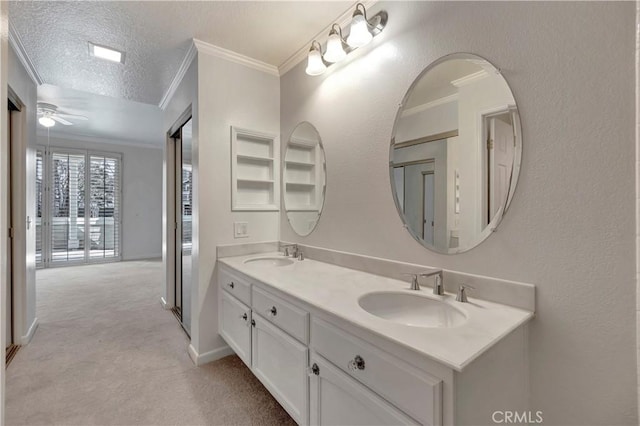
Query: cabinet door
{"type": "Point", "coordinates": [337, 399]}
{"type": "Point", "coordinates": [280, 362]}
{"type": "Point", "coordinates": [235, 326]}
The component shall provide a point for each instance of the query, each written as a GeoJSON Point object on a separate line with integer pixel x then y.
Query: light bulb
{"type": "Point", "coordinates": [359, 34]}
{"type": "Point", "coordinates": [315, 66]}
{"type": "Point", "coordinates": [334, 52]}
{"type": "Point", "coordinates": [47, 121]}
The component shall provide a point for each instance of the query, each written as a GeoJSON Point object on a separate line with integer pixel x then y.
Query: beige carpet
{"type": "Point", "coordinates": [107, 353]}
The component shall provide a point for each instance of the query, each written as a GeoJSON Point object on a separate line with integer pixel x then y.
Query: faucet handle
{"type": "Point", "coordinates": [415, 285]}
{"type": "Point", "coordinates": [462, 294]}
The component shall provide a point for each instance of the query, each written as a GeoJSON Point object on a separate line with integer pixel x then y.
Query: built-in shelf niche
{"type": "Point", "coordinates": [303, 176]}
{"type": "Point", "coordinates": [255, 170]}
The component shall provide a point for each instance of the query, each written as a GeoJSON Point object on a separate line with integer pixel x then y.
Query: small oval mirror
{"type": "Point", "coordinates": [304, 178]}
{"type": "Point", "coordinates": [455, 153]}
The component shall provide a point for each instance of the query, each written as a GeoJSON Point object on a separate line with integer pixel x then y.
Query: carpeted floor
{"type": "Point", "coordinates": [107, 353]}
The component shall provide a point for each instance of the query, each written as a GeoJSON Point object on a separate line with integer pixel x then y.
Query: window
{"type": "Point", "coordinates": [80, 215]}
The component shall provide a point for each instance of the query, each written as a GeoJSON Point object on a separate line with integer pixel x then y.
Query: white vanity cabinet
{"type": "Point", "coordinates": [337, 399]}
{"type": "Point", "coordinates": [325, 370]}
{"type": "Point", "coordinates": [280, 362]}
{"type": "Point", "coordinates": [270, 335]}
{"type": "Point", "coordinates": [235, 326]}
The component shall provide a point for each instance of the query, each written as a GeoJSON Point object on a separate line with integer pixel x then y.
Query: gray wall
{"type": "Point", "coordinates": [570, 229]}
{"type": "Point", "coordinates": [141, 194]}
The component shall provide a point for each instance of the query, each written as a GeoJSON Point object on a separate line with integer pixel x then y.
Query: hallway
{"type": "Point", "coordinates": [107, 353]}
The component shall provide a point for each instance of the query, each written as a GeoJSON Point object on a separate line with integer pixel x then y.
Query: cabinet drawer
{"type": "Point", "coordinates": [413, 391]}
{"type": "Point", "coordinates": [291, 319]}
{"type": "Point", "coordinates": [239, 287]}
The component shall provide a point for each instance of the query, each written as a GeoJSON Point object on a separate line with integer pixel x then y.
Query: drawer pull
{"type": "Point", "coordinates": [244, 316]}
{"type": "Point", "coordinates": [315, 369]}
{"type": "Point", "coordinates": [273, 311]}
{"type": "Point", "coordinates": [356, 364]}
{"type": "Point", "coordinates": [231, 284]}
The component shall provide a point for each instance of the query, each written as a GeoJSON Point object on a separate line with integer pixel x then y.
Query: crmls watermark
{"type": "Point", "coordinates": [511, 417]}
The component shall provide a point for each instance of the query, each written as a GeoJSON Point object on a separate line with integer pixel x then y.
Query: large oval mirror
{"type": "Point", "coordinates": [304, 178]}
{"type": "Point", "coordinates": [455, 153]}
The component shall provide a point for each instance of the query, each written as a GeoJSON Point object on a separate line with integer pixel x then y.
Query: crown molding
{"type": "Point", "coordinates": [301, 54]}
{"type": "Point", "coordinates": [75, 137]}
{"type": "Point", "coordinates": [230, 55]}
{"type": "Point", "coordinates": [16, 43]}
{"type": "Point", "coordinates": [428, 105]}
{"type": "Point", "coordinates": [177, 79]}
{"type": "Point", "coordinates": [471, 78]}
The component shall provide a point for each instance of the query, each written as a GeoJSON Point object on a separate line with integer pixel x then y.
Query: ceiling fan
{"type": "Point", "coordinates": [48, 115]}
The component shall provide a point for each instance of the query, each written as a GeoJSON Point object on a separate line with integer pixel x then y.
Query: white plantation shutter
{"type": "Point", "coordinates": [83, 219]}
{"type": "Point", "coordinates": [104, 212]}
{"type": "Point", "coordinates": [40, 182]}
{"type": "Point", "coordinates": [67, 207]}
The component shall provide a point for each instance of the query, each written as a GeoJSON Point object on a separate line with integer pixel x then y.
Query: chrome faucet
{"type": "Point", "coordinates": [415, 285]}
{"type": "Point", "coordinates": [287, 253]}
{"type": "Point", "coordinates": [462, 294]}
{"type": "Point", "coordinates": [438, 286]}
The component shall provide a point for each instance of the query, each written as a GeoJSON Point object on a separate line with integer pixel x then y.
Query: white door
{"type": "Point", "coordinates": [337, 399]}
{"type": "Point", "coordinates": [280, 362]}
{"type": "Point", "coordinates": [501, 162]}
{"type": "Point", "coordinates": [428, 185]}
{"type": "Point", "coordinates": [235, 326]}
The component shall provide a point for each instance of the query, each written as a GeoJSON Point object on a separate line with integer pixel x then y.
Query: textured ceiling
{"type": "Point", "coordinates": [109, 118]}
{"type": "Point", "coordinates": [155, 37]}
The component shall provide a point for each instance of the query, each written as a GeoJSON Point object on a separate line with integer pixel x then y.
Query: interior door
{"type": "Point", "coordinates": [428, 184]}
{"type": "Point", "coordinates": [7, 203]}
{"type": "Point", "coordinates": [501, 147]}
{"type": "Point", "coordinates": [183, 229]}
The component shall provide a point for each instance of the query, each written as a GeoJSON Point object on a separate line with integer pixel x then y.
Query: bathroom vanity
{"type": "Point", "coordinates": [340, 346]}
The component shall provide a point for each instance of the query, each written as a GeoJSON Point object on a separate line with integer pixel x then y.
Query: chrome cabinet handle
{"type": "Point", "coordinates": [231, 284]}
{"type": "Point", "coordinates": [356, 363]}
{"type": "Point", "coordinates": [273, 311]}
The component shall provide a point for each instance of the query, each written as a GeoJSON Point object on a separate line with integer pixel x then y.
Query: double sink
{"type": "Point", "coordinates": [415, 310]}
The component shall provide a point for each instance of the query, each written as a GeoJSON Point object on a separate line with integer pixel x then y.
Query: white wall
{"type": "Point", "coordinates": [229, 94]}
{"type": "Point", "coordinates": [221, 94]}
{"type": "Point", "coordinates": [4, 75]}
{"type": "Point", "coordinates": [23, 172]}
{"type": "Point", "coordinates": [141, 193]}
{"type": "Point", "coordinates": [570, 229]}
{"type": "Point", "coordinates": [437, 119]}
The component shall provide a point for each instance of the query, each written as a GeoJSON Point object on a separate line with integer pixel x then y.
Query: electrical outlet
{"type": "Point", "coordinates": [240, 229]}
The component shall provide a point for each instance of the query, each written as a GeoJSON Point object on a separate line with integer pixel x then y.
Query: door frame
{"type": "Point", "coordinates": [169, 219]}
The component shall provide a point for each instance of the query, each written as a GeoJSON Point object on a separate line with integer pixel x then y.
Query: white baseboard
{"type": "Point", "coordinates": [24, 340]}
{"type": "Point", "coordinates": [155, 256]}
{"type": "Point", "coordinates": [207, 357]}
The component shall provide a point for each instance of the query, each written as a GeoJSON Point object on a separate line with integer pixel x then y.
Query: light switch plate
{"type": "Point", "coordinates": [240, 230]}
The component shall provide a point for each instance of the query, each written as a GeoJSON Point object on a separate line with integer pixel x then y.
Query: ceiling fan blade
{"type": "Point", "coordinates": [61, 120]}
{"type": "Point", "coordinates": [72, 116]}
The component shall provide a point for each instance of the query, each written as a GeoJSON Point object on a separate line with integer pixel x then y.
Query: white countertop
{"type": "Point", "coordinates": [336, 290]}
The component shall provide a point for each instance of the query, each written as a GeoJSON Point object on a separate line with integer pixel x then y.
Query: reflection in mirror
{"type": "Point", "coordinates": [304, 178]}
{"type": "Point", "coordinates": [455, 153]}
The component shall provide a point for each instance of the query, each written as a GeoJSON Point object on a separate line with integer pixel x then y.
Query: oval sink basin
{"type": "Point", "coordinates": [270, 261]}
{"type": "Point", "coordinates": [413, 310]}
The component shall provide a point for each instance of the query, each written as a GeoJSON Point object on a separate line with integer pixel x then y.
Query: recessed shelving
{"type": "Point", "coordinates": [254, 170]}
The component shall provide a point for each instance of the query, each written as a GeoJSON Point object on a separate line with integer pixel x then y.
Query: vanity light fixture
{"type": "Point", "coordinates": [362, 32]}
{"type": "Point", "coordinates": [335, 50]}
{"type": "Point", "coordinates": [315, 64]}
